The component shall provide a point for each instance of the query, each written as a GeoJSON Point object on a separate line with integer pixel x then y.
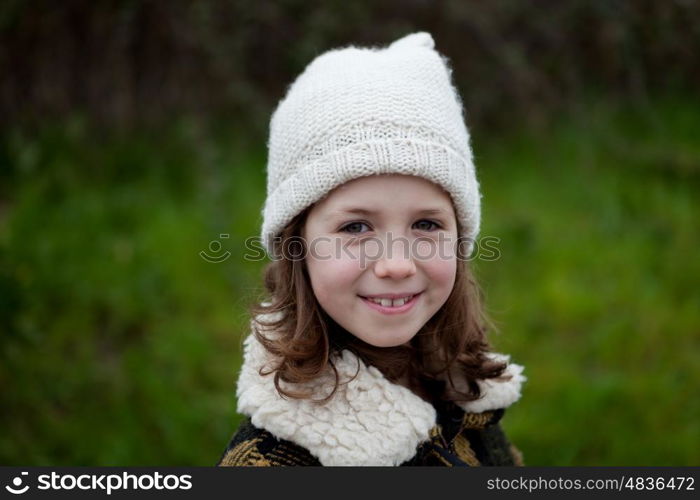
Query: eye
{"type": "Point", "coordinates": [437, 226]}
{"type": "Point", "coordinates": [348, 228]}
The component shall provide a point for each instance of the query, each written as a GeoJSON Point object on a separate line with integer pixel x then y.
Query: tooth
{"type": "Point", "coordinates": [391, 303]}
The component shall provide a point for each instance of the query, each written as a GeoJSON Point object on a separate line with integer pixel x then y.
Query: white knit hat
{"type": "Point", "coordinates": [358, 111]}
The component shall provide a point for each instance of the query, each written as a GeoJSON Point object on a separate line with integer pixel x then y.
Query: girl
{"type": "Point", "coordinates": [371, 349]}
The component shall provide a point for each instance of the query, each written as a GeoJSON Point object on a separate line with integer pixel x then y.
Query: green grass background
{"type": "Point", "coordinates": [120, 345]}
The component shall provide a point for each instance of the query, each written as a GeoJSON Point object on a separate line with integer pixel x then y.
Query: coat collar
{"type": "Point", "coordinates": [369, 421]}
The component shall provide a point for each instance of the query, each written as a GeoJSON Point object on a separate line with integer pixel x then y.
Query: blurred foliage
{"type": "Point", "coordinates": [596, 290]}
{"type": "Point", "coordinates": [126, 61]}
{"type": "Point", "coordinates": [117, 337]}
{"type": "Point", "coordinates": [132, 135]}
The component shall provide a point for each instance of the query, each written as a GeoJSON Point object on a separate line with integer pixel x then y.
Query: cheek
{"type": "Point", "coordinates": [440, 262]}
{"type": "Point", "coordinates": [332, 276]}
{"type": "Point", "coordinates": [442, 274]}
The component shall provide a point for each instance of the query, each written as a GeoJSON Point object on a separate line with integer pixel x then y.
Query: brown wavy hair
{"type": "Point", "coordinates": [441, 362]}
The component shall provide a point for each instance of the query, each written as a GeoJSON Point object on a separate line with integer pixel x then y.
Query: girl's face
{"type": "Point", "coordinates": [385, 236]}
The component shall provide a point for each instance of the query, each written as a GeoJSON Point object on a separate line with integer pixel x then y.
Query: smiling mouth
{"type": "Point", "coordinates": [390, 302]}
{"type": "Point", "coordinates": [389, 305]}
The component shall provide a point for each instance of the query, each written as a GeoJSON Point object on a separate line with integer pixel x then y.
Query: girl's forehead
{"type": "Point", "coordinates": [379, 196]}
{"type": "Point", "coordinates": [386, 189]}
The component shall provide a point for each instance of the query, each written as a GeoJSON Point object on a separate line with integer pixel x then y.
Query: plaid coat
{"type": "Point", "coordinates": [472, 439]}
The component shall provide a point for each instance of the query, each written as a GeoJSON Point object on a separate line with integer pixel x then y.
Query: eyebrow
{"type": "Point", "coordinates": [367, 212]}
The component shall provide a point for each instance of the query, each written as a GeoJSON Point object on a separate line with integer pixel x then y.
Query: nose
{"type": "Point", "coordinates": [397, 263]}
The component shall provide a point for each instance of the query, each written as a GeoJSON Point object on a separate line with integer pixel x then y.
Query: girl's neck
{"type": "Point", "coordinates": [428, 391]}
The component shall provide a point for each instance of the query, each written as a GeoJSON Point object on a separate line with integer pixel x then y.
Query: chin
{"type": "Point", "coordinates": [388, 340]}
